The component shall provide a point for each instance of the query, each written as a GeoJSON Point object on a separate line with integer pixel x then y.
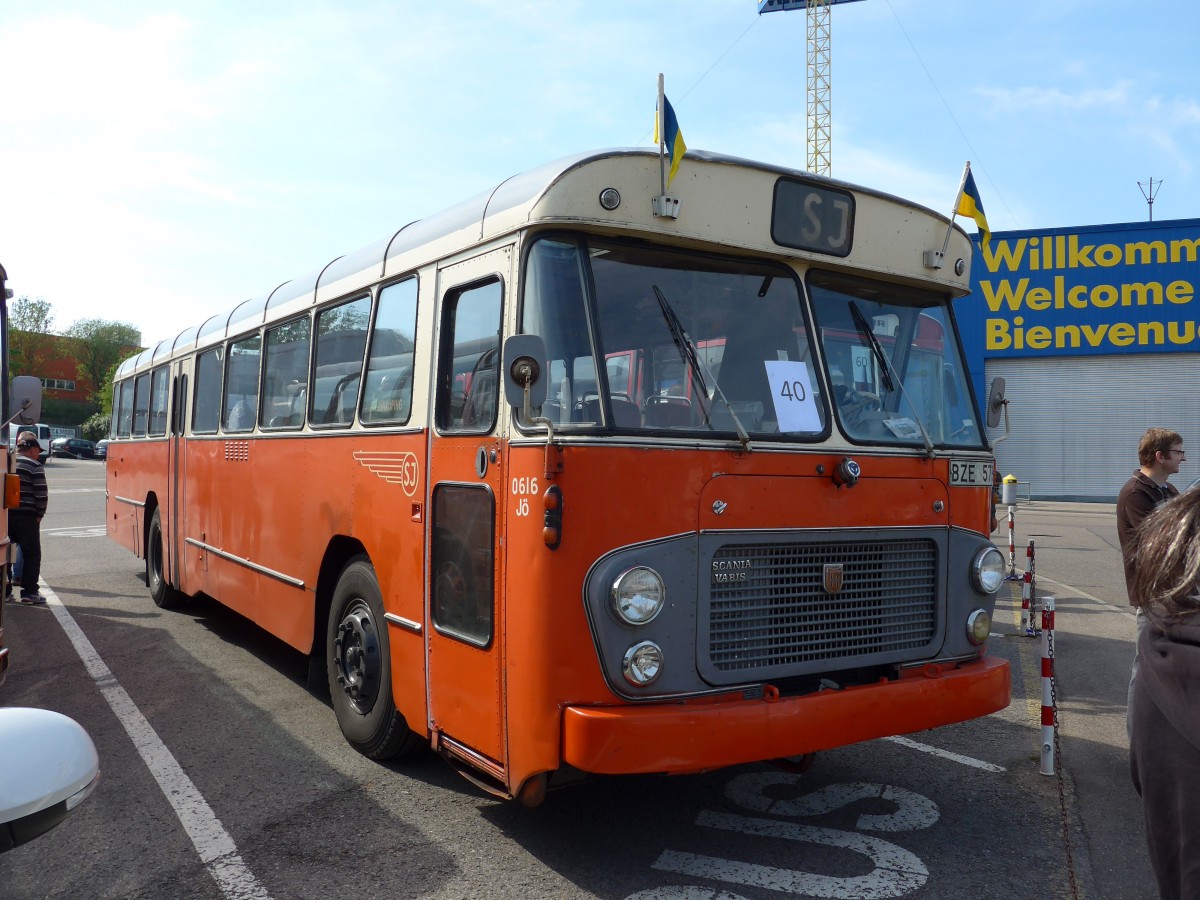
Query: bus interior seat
{"type": "Point", "coordinates": [665, 411]}
{"type": "Point", "coordinates": [626, 413]}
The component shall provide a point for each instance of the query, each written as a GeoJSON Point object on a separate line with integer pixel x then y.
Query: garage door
{"type": "Point", "coordinates": [1076, 422]}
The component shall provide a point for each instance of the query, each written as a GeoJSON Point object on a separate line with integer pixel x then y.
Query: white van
{"type": "Point", "coordinates": [43, 436]}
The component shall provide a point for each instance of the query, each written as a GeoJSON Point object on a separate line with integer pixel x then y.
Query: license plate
{"type": "Point", "coordinates": [970, 473]}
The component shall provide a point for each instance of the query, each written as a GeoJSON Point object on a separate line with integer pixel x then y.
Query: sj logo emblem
{"type": "Point", "coordinates": [832, 577]}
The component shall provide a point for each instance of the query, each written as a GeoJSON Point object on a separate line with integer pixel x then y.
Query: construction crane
{"type": "Point", "coordinates": [816, 75]}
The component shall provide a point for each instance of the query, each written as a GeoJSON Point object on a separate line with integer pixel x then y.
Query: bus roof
{"type": "Point", "coordinates": [725, 210]}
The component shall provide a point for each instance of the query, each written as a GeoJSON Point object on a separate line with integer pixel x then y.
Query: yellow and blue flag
{"type": "Point", "coordinates": [971, 206]}
{"type": "Point", "coordinates": [672, 137]}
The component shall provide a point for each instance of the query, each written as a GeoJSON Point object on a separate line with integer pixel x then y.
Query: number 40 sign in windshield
{"type": "Point", "coordinates": [795, 405]}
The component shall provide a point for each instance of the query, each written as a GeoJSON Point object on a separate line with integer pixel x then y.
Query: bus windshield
{"type": "Point", "coordinates": [894, 363]}
{"type": "Point", "coordinates": [689, 343]}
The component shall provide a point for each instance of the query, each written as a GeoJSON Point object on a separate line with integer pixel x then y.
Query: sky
{"type": "Point", "coordinates": [161, 162]}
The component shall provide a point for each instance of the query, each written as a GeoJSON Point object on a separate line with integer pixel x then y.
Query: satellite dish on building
{"type": "Point", "coordinates": [996, 403]}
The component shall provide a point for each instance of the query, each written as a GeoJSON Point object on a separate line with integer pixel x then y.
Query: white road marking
{"type": "Point", "coordinates": [213, 843]}
{"type": "Point", "coordinates": [1125, 611]}
{"type": "Point", "coordinates": [896, 871]}
{"type": "Point", "coordinates": [92, 531]}
{"type": "Point", "coordinates": [945, 754]}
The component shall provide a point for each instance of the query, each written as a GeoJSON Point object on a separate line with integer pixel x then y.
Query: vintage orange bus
{"type": "Point", "coordinates": [557, 483]}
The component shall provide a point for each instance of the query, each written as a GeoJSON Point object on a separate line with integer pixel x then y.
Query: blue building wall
{"type": "Point", "coordinates": [1091, 290]}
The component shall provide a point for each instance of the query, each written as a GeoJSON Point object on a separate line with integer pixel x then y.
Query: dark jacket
{"type": "Point", "coordinates": [1164, 753]}
{"type": "Point", "coordinates": [1137, 500]}
{"type": "Point", "coordinates": [34, 493]}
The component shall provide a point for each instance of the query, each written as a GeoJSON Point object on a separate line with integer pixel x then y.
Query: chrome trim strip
{"type": "Point", "coordinates": [407, 624]}
{"type": "Point", "coordinates": [473, 757]}
{"type": "Point", "coordinates": [255, 567]}
{"type": "Point", "coordinates": [121, 499]}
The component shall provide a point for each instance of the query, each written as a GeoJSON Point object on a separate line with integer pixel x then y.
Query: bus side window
{"type": "Point", "coordinates": [241, 384]}
{"type": "Point", "coordinates": [141, 404]}
{"type": "Point", "coordinates": [462, 586]}
{"type": "Point", "coordinates": [158, 401]}
{"type": "Point", "coordinates": [387, 396]}
{"type": "Point", "coordinates": [341, 341]}
{"type": "Point", "coordinates": [285, 373]}
{"type": "Point", "coordinates": [125, 421]}
{"type": "Point", "coordinates": [206, 405]}
{"type": "Point", "coordinates": [470, 364]}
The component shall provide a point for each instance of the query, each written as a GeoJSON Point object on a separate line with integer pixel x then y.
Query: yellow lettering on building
{"type": "Point", "coordinates": [1001, 334]}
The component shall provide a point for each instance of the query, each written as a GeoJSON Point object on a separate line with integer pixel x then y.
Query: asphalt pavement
{"type": "Point", "coordinates": [1077, 561]}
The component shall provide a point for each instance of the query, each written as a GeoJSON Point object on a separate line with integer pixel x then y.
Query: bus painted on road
{"type": "Point", "coordinates": [556, 483]}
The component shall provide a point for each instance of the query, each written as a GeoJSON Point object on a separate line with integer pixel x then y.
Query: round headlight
{"type": "Point", "coordinates": [638, 594]}
{"type": "Point", "coordinates": [643, 663]}
{"type": "Point", "coordinates": [979, 626]}
{"type": "Point", "coordinates": [987, 570]}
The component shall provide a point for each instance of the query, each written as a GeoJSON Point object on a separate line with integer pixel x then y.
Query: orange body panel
{"type": "Point", "coordinates": [537, 696]}
{"type": "Point", "coordinates": [551, 660]}
{"type": "Point", "coordinates": [681, 738]}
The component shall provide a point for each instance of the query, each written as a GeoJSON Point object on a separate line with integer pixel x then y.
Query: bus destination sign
{"type": "Point", "coordinates": [813, 217]}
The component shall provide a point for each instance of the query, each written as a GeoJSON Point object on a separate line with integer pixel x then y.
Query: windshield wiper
{"type": "Point", "coordinates": [886, 370]}
{"type": "Point", "coordinates": [866, 331]}
{"type": "Point", "coordinates": [687, 350]}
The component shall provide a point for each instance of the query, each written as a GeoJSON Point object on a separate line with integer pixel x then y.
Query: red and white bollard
{"type": "Point", "coordinates": [1012, 546]}
{"type": "Point", "coordinates": [1029, 597]}
{"type": "Point", "coordinates": [1048, 698]}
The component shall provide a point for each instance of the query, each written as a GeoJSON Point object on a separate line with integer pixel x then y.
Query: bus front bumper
{"type": "Point", "coordinates": [693, 737]}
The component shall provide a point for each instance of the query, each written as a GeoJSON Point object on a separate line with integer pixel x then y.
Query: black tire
{"type": "Point", "coordinates": [164, 596]}
{"type": "Point", "coordinates": [359, 666]}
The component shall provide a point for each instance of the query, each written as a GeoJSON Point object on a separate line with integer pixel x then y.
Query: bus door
{"type": "Point", "coordinates": [466, 477]}
{"type": "Point", "coordinates": [172, 567]}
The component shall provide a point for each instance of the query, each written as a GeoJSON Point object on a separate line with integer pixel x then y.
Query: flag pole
{"type": "Point", "coordinates": [954, 209]}
{"type": "Point", "coordinates": [933, 258]}
{"type": "Point", "coordinates": [661, 131]}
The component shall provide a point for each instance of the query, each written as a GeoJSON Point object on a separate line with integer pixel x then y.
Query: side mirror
{"type": "Point", "coordinates": [995, 402]}
{"type": "Point", "coordinates": [48, 766]}
{"type": "Point", "coordinates": [524, 363]}
{"type": "Point", "coordinates": [25, 400]}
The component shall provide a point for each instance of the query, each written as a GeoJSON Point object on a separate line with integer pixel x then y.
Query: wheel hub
{"type": "Point", "coordinates": [356, 653]}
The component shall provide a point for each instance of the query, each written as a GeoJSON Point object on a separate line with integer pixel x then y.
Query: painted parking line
{"type": "Point", "coordinates": [212, 842]}
{"type": "Point", "coordinates": [945, 754]}
{"type": "Point", "coordinates": [88, 532]}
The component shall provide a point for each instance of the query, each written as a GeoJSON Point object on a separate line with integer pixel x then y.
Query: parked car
{"type": "Point", "coordinates": [43, 436]}
{"type": "Point", "coordinates": [101, 450]}
{"type": "Point", "coordinates": [76, 448]}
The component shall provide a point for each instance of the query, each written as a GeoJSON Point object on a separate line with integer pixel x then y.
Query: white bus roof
{"type": "Point", "coordinates": [732, 212]}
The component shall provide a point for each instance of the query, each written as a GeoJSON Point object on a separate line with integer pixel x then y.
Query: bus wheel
{"type": "Point", "coordinates": [165, 596]}
{"type": "Point", "coordinates": [360, 667]}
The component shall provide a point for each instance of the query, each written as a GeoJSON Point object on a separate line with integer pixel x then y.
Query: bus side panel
{"type": "Point", "coordinates": [135, 477]}
{"type": "Point", "coordinates": [385, 488]}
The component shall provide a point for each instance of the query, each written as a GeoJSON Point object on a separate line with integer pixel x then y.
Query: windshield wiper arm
{"type": "Point", "coordinates": [866, 331]}
{"type": "Point", "coordinates": [885, 368]}
{"type": "Point", "coordinates": [688, 350]}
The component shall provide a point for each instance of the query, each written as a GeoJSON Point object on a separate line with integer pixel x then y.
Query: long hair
{"type": "Point", "coordinates": [1166, 582]}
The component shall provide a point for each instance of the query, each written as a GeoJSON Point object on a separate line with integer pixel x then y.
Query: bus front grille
{"type": "Point", "coordinates": [796, 608]}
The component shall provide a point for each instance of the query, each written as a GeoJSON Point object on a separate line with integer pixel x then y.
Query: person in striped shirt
{"type": "Point", "coordinates": [24, 522]}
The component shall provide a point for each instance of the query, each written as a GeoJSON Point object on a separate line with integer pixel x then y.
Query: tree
{"type": "Point", "coordinates": [31, 343]}
{"type": "Point", "coordinates": [98, 345]}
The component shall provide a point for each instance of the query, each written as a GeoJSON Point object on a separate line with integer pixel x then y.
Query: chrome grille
{"type": "Point", "coordinates": [782, 614]}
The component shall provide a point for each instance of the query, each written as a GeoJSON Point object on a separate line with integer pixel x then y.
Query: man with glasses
{"type": "Point", "coordinates": [1160, 453]}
